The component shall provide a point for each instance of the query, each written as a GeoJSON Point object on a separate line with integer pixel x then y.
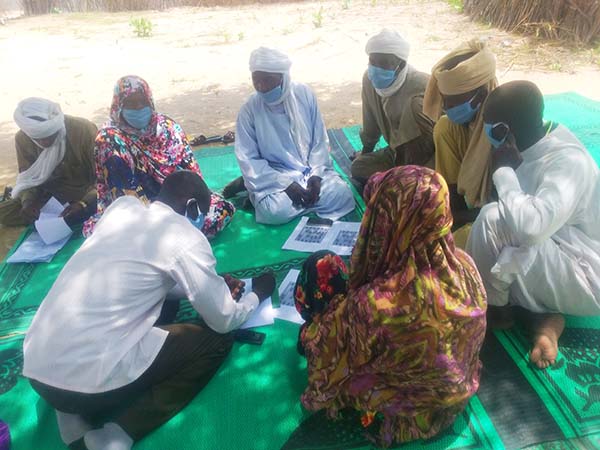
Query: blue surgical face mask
{"type": "Point", "coordinates": [381, 78]}
{"type": "Point", "coordinates": [462, 114]}
{"type": "Point", "coordinates": [138, 118]}
{"type": "Point", "coordinates": [489, 127]}
{"type": "Point", "coordinates": [273, 95]}
{"type": "Point", "coordinates": [198, 222]}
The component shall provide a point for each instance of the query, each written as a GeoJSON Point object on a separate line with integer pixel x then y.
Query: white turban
{"type": "Point", "coordinates": [390, 42]}
{"type": "Point", "coordinates": [265, 59]}
{"type": "Point", "coordinates": [53, 121]}
{"type": "Point", "coordinates": [50, 113]}
{"type": "Point", "coordinates": [269, 60]}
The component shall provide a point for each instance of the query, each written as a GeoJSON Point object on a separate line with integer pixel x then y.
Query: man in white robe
{"type": "Point", "coordinates": [538, 246]}
{"type": "Point", "coordinates": [282, 147]}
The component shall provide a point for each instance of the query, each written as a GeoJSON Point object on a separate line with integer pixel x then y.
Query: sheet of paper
{"type": "Point", "coordinates": [307, 238]}
{"type": "Point", "coordinates": [288, 313]}
{"type": "Point", "coordinates": [33, 249]}
{"type": "Point", "coordinates": [286, 289]}
{"type": "Point", "coordinates": [339, 237]}
{"type": "Point", "coordinates": [262, 315]}
{"type": "Point", "coordinates": [52, 229]}
{"type": "Point", "coordinates": [52, 207]}
{"type": "Point", "coordinates": [343, 237]}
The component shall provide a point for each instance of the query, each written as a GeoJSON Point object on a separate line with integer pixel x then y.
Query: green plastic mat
{"type": "Point", "coordinates": [253, 401]}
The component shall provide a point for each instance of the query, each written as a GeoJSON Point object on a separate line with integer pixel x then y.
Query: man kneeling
{"type": "Point", "coordinates": [538, 247]}
{"type": "Point", "coordinates": [93, 350]}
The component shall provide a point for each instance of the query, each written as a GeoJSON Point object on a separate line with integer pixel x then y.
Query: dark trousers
{"type": "Point", "coordinates": [187, 361]}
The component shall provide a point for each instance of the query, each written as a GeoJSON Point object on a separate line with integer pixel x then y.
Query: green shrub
{"type": "Point", "coordinates": [141, 27]}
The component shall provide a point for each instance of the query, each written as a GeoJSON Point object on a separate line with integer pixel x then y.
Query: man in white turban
{"type": "Point", "coordinates": [55, 154]}
{"type": "Point", "coordinates": [392, 105]}
{"type": "Point", "coordinates": [282, 147]}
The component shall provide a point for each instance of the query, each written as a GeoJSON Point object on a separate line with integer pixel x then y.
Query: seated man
{"type": "Point", "coordinates": [282, 147]}
{"type": "Point", "coordinates": [458, 86]}
{"type": "Point", "coordinates": [93, 350]}
{"type": "Point", "coordinates": [392, 105]}
{"type": "Point", "coordinates": [538, 247]}
{"type": "Point", "coordinates": [55, 154]}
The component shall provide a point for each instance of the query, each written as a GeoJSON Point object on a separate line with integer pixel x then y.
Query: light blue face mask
{"type": "Point", "coordinates": [138, 118]}
{"type": "Point", "coordinates": [381, 78]}
{"type": "Point", "coordinates": [273, 95]}
{"type": "Point", "coordinates": [489, 127]}
{"type": "Point", "coordinates": [198, 222]}
{"type": "Point", "coordinates": [464, 113]}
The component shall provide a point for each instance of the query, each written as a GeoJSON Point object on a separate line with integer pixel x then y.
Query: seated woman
{"type": "Point", "coordinates": [402, 344]}
{"type": "Point", "coordinates": [138, 148]}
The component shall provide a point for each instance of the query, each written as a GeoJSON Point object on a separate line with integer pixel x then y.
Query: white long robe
{"type": "Point", "coordinates": [270, 160]}
{"type": "Point", "coordinates": [539, 245]}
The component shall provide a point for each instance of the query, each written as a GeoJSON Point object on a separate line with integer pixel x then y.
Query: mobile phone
{"type": "Point", "coordinates": [249, 337]}
{"type": "Point", "coordinates": [319, 221]}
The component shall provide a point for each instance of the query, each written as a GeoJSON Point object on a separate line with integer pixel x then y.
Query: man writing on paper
{"type": "Point", "coordinates": [94, 351]}
{"type": "Point", "coordinates": [282, 147]}
{"type": "Point", "coordinates": [55, 154]}
{"type": "Point", "coordinates": [538, 246]}
{"type": "Point", "coordinates": [392, 106]}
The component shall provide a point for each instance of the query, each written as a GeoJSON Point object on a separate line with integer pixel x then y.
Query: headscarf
{"type": "Point", "coordinates": [130, 161]}
{"type": "Point", "coordinates": [404, 345]}
{"type": "Point", "coordinates": [474, 178]}
{"type": "Point", "coordinates": [390, 42]}
{"type": "Point", "coordinates": [53, 122]}
{"type": "Point", "coordinates": [265, 59]}
{"type": "Point", "coordinates": [125, 87]}
{"type": "Point", "coordinates": [323, 276]}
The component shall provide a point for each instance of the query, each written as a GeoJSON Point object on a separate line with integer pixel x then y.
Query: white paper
{"type": "Point", "coordinates": [52, 229]}
{"type": "Point", "coordinates": [262, 315]}
{"type": "Point", "coordinates": [340, 237]}
{"type": "Point", "coordinates": [33, 249]}
{"type": "Point", "coordinates": [286, 289]}
{"type": "Point", "coordinates": [288, 313]}
{"type": "Point", "coordinates": [343, 237]}
{"type": "Point", "coordinates": [52, 207]}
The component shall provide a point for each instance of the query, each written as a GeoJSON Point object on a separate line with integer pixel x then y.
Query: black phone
{"type": "Point", "coordinates": [249, 337]}
{"type": "Point", "coordinates": [319, 221]}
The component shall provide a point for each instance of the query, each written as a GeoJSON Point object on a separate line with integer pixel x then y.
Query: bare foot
{"type": "Point", "coordinates": [500, 317]}
{"type": "Point", "coordinates": [547, 328]}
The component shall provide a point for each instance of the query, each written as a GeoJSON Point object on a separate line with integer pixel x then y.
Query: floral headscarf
{"type": "Point", "coordinates": [324, 275]}
{"type": "Point", "coordinates": [124, 88]}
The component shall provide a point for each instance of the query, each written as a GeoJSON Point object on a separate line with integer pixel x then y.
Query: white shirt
{"type": "Point", "coordinates": [94, 331]}
{"type": "Point", "coordinates": [554, 194]}
{"type": "Point", "coordinates": [267, 154]}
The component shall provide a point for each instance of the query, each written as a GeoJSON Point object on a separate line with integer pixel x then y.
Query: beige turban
{"type": "Point", "coordinates": [474, 178]}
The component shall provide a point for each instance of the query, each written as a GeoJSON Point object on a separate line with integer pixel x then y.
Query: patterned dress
{"type": "Point", "coordinates": [403, 345]}
{"type": "Point", "coordinates": [136, 162]}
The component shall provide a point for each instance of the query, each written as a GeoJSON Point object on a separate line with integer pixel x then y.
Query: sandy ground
{"type": "Point", "coordinates": [196, 61]}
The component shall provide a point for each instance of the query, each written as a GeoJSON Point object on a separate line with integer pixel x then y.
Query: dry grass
{"type": "Point", "coordinates": [33, 7]}
{"type": "Point", "coordinates": [572, 20]}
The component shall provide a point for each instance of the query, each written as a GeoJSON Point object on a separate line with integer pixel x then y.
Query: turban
{"type": "Point", "coordinates": [390, 42]}
{"type": "Point", "coordinates": [269, 60]}
{"type": "Point", "coordinates": [27, 116]}
{"type": "Point", "coordinates": [474, 178]}
{"type": "Point", "coordinates": [265, 59]}
{"type": "Point", "coordinates": [50, 113]}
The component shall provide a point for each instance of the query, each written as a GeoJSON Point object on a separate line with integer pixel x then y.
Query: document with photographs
{"type": "Point", "coordinates": [311, 235]}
